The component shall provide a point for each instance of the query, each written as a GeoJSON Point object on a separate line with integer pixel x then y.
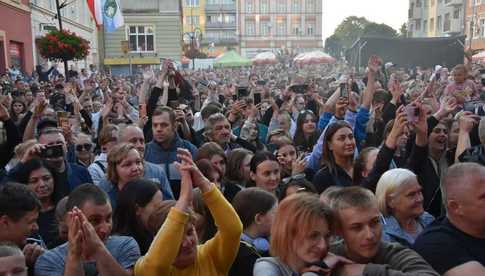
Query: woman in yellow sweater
{"type": "Point", "coordinates": [174, 250]}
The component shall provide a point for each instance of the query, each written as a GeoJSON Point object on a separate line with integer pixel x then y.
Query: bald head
{"type": "Point", "coordinates": [134, 135]}
{"type": "Point", "coordinates": [460, 180]}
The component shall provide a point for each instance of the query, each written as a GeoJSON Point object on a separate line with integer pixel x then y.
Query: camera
{"type": "Point", "coordinates": [52, 151]}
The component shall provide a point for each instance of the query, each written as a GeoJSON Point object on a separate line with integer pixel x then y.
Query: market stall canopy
{"type": "Point", "coordinates": [315, 57]}
{"type": "Point", "coordinates": [231, 59]}
{"type": "Point", "coordinates": [265, 58]}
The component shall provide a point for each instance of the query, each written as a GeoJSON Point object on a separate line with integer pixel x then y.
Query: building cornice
{"type": "Point", "coordinates": [18, 6]}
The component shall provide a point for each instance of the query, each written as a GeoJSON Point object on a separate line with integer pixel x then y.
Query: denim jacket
{"type": "Point", "coordinates": [392, 231]}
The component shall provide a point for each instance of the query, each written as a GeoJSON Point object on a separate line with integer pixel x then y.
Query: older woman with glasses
{"type": "Point", "coordinates": [84, 150]}
{"type": "Point", "coordinates": [400, 201]}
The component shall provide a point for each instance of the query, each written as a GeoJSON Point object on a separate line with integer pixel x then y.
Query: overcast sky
{"type": "Point", "coordinates": [391, 12]}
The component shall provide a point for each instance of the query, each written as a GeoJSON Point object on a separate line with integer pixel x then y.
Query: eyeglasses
{"type": "Point", "coordinates": [86, 147]}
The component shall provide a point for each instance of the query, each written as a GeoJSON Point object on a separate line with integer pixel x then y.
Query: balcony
{"type": "Point", "coordinates": [220, 25]}
{"type": "Point", "coordinates": [450, 3]}
{"type": "Point", "coordinates": [217, 8]}
{"type": "Point", "coordinates": [221, 40]}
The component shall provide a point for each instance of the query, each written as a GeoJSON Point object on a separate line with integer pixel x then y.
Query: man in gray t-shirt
{"type": "Point", "coordinates": [90, 250]}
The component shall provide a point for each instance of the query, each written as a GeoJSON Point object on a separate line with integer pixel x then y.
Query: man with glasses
{"type": "Point", "coordinates": [53, 149]}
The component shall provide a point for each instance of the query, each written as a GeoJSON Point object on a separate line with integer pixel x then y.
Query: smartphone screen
{"type": "Point", "coordinates": [257, 98]}
{"type": "Point", "coordinates": [344, 93]}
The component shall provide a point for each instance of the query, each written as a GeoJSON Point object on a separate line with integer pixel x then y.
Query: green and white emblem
{"type": "Point", "coordinates": [110, 8]}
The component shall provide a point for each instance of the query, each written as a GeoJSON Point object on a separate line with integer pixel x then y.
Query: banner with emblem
{"type": "Point", "coordinates": [112, 15]}
{"type": "Point", "coordinates": [107, 13]}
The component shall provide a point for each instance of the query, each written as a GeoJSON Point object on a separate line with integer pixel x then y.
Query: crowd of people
{"type": "Point", "coordinates": [269, 170]}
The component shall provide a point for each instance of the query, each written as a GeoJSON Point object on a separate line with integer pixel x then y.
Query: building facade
{"type": "Point", "coordinates": [268, 25]}
{"type": "Point", "coordinates": [152, 31]}
{"type": "Point", "coordinates": [75, 18]}
{"type": "Point", "coordinates": [15, 35]}
{"type": "Point", "coordinates": [220, 26]}
{"type": "Point", "coordinates": [475, 24]}
{"type": "Point", "coordinates": [436, 18]}
{"type": "Point", "coordinates": [193, 15]}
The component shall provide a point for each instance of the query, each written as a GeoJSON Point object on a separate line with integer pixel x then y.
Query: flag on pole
{"type": "Point", "coordinates": [96, 11]}
{"type": "Point", "coordinates": [107, 13]}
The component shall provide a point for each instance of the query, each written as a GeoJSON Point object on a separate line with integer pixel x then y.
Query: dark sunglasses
{"type": "Point", "coordinates": [86, 147]}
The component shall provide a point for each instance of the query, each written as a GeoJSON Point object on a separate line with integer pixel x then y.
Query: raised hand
{"type": "Point", "coordinates": [187, 163]}
{"type": "Point", "coordinates": [75, 235]}
{"type": "Point", "coordinates": [467, 121]}
{"type": "Point", "coordinates": [399, 127]}
{"type": "Point", "coordinates": [341, 107]}
{"type": "Point", "coordinates": [298, 165]}
{"type": "Point", "coordinates": [374, 64]}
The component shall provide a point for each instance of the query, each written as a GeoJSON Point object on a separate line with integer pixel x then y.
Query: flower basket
{"type": "Point", "coordinates": [63, 46]}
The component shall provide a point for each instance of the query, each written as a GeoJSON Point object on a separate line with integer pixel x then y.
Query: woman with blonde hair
{"type": "Point", "coordinates": [124, 165]}
{"type": "Point", "coordinates": [299, 239]}
{"type": "Point", "coordinates": [400, 201]}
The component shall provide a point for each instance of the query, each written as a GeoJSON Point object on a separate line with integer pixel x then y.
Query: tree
{"type": "Point", "coordinates": [378, 30]}
{"type": "Point", "coordinates": [333, 46]}
{"type": "Point", "coordinates": [351, 29]}
{"type": "Point", "coordinates": [403, 31]}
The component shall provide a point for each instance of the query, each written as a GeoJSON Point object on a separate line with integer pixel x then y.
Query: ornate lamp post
{"type": "Point", "coordinates": [193, 38]}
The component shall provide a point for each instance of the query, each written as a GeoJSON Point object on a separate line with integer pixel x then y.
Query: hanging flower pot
{"type": "Point", "coordinates": [63, 46]}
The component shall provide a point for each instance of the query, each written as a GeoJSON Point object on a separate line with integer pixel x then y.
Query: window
{"type": "Point", "coordinates": [418, 4]}
{"type": "Point", "coordinates": [249, 5]}
{"type": "Point", "coordinates": [265, 28]}
{"type": "Point", "coordinates": [447, 23]}
{"type": "Point", "coordinates": [229, 18]}
{"type": "Point", "coordinates": [281, 5]}
{"type": "Point", "coordinates": [418, 24]}
{"type": "Point", "coordinates": [426, 3]}
{"type": "Point", "coordinates": [425, 25]}
{"type": "Point", "coordinates": [482, 27]}
{"type": "Point", "coordinates": [439, 24]}
{"type": "Point", "coordinates": [141, 38]}
{"type": "Point", "coordinates": [264, 6]}
{"type": "Point", "coordinates": [431, 25]}
{"type": "Point", "coordinates": [456, 13]}
{"type": "Point", "coordinates": [296, 26]}
{"type": "Point", "coordinates": [295, 5]}
{"type": "Point", "coordinates": [280, 26]}
{"type": "Point", "coordinates": [432, 3]}
{"type": "Point", "coordinates": [310, 28]}
{"type": "Point", "coordinates": [192, 20]}
{"type": "Point", "coordinates": [250, 27]}
{"type": "Point", "coordinates": [310, 5]}
{"type": "Point", "coordinates": [191, 3]}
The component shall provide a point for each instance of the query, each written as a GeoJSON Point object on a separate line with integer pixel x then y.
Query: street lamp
{"type": "Point", "coordinates": [194, 39]}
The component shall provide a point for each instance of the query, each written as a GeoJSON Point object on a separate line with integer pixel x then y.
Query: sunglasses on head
{"type": "Point", "coordinates": [86, 147]}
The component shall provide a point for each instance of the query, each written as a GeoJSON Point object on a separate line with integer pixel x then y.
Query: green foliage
{"type": "Point", "coordinates": [403, 31]}
{"type": "Point", "coordinates": [351, 29]}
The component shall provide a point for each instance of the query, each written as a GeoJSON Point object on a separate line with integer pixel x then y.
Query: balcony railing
{"type": "Point", "coordinates": [220, 7]}
{"type": "Point", "coordinates": [220, 25]}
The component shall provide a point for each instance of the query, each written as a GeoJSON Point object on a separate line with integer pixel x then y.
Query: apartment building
{"type": "Point", "coordinates": [270, 25]}
{"type": "Point", "coordinates": [436, 18]}
{"type": "Point", "coordinates": [475, 13]}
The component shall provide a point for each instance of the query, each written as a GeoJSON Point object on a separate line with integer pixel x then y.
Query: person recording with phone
{"type": "Point", "coordinates": [52, 149]}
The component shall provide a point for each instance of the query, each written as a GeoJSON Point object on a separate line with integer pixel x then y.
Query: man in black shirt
{"type": "Point", "coordinates": [455, 245]}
